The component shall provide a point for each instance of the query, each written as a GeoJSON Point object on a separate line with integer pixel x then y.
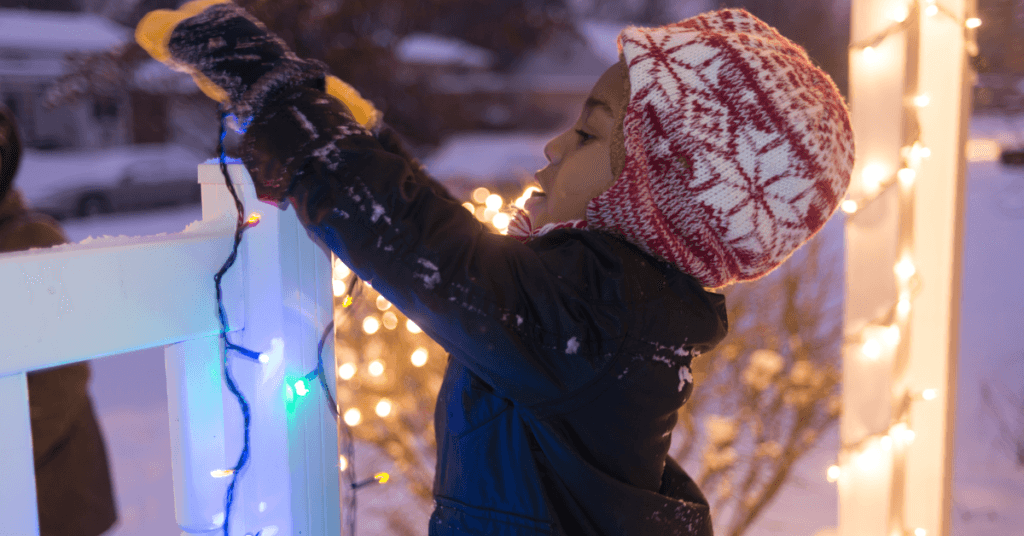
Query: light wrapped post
{"type": "Point", "coordinates": [910, 102]}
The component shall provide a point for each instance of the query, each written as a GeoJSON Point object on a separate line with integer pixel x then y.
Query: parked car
{"type": "Point", "coordinates": [94, 181]}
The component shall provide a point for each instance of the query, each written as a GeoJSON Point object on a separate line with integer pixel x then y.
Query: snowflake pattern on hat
{"type": "Point", "coordinates": [738, 148]}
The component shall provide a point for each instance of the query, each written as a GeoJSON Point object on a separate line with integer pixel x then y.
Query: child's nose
{"type": "Point", "coordinates": [552, 151]}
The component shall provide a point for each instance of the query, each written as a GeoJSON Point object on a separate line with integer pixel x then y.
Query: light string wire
{"type": "Point", "coordinates": [240, 227]}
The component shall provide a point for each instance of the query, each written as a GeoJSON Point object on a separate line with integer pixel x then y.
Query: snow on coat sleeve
{"type": "Point", "coordinates": [534, 324]}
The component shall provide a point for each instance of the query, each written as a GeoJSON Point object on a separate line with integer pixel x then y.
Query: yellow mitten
{"type": "Point", "coordinates": [201, 37]}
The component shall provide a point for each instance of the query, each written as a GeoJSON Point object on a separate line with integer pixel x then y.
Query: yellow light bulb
{"type": "Point", "coordinates": [849, 206]}
{"type": "Point", "coordinates": [419, 357]}
{"type": "Point", "coordinates": [931, 10]}
{"type": "Point", "coordinates": [371, 325]}
{"type": "Point", "coordinates": [383, 408]}
{"type": "Point", "coordinates": [346, 371]}
{"type": "Point", "coordinates": [521, 200]}
{"type": "Point", "coordinates": [972, 22]}
{"type": "Point", "coordinates": [922, 100]}
{"type": "Point", "coordinates": [375, 368]}
{"type": "Point", "coordinates": [382, 303]}
{"type": "Point", "coordinates": [390, 320]}
{"type": "Point", "coordinates": [885, 442]}
{"type": "Point", "coordinates": [920, 532]}
{"type": "Point", "coordinates": [469, 206]}
{"type": "Point", "coordinates": [930, 394]}
{"type": "Point", "coordinates": [342, 462]}
{"type": "Point", "coordinates": [353, 417]}
{"type": "Point", "coordinates": [253, 219]}
{"type": "Point", "coordinates": [412, 327]}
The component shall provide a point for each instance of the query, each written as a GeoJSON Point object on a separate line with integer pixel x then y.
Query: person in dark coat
{"type": "Point", "coordinates": [710, 152]}
{"type": "Point", "coordinates": [73, 488]}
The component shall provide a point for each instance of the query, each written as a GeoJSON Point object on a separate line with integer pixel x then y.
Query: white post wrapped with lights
{"type": "Point", "coordinates": [910, 102]}
{"type": "Point", "coordinates": [112, 295]}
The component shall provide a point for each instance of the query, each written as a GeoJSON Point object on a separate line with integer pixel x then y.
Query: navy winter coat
{"type": "Point", "coordinates": [569, 354]}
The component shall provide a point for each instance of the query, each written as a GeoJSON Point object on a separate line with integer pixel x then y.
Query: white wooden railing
{"type": "Point", "coordinates": [110, 296]}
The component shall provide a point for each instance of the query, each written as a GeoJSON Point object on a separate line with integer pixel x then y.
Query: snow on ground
{"type": "Point", "coordinates": [130, 394]}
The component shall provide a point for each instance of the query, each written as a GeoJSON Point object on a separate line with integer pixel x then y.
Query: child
{"type": "Point", "coordinates": [707, 155]}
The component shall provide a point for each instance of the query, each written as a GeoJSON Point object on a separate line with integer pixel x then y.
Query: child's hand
{"type": "Point", "coordinates": [234, 59]}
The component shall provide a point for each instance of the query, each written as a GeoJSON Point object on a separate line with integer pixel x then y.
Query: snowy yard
{"type": "Point", "coordinates": [130, 393]}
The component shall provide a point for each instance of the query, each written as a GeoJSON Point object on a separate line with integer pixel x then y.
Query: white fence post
{"type": "Point", "coordinates": [18, 513]}
{"type": "Point", "coordinates": [291, 481]}
{"type": "Point", "coordinates": [910, 101]}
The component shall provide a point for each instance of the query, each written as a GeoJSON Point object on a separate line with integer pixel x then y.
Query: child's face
{"type": "Point", "coordinates": [580, 162]}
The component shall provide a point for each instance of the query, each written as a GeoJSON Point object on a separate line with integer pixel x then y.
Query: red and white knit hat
{"type": "Point", "coordinates": [738, 148]}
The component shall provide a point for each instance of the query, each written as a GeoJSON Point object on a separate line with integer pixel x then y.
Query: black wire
{"type": "Point", "coordinates": [240, 227]}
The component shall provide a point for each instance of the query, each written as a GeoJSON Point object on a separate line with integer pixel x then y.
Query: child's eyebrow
{"type": "Point", "coordinates": [593, 102]}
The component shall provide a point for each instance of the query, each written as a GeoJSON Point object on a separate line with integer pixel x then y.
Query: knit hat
{"type": "Point", "coordinates": [738, 148]}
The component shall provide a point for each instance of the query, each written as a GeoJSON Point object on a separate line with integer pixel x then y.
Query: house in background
{"type": "Point", "coordinates": [33, 46]}
{"type": "Point", "coordinates": [156, 105]}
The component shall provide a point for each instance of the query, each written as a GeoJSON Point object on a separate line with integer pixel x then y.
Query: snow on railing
{"type": "Point", "coordinates": [113, 295]}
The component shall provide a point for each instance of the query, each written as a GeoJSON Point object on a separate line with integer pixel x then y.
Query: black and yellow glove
{"type": "Point", "coordinates": [235, 60]}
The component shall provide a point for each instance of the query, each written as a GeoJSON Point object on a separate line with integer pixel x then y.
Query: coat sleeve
{"type": "Point", "coordinates": [524, 319]}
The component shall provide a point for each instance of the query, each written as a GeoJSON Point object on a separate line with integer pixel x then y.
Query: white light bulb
{"type": "Point", "coordinates": [833, 473]}
{"type": "Point", "coordinates": [521, 200]}
{"type": "Point", "coordinates": [906, 176]}
{"type": "Point", "coordinates": [390, 320]}
{"type": "Point", "coordinates": [931, 10]}
{"type": "Point", "coordinates": [871, 349]}
{"type": "Point", "coordinates": [891, 335]}
{"type": "Point", "coordinates": [930, 394]}
{"type": "Point", "coordinates": [412, 327]}
{"type": "Point", "coordinates": [480, 195]}
{"type": "Point", "coordinates": [371, 325]}
{"type": "Point", "coordinates": [346, 371]}
{"type": "Point", "coordinates": [382, 303]}
{"type": "Point", "coordinates": [340, 269]}
{"type": "Point", "coordinates": [501, 220]}
{"type": "Point", "coordinates": [419, 357]}
{"type": "Point", "coordinates": [342, 462]}
{"type": "Point", "coordinates": [972, 22]}
{"type": "Point", "coordinates": [905, 269]}
{"type": "Point", "coordinates": [469, 206]}
{"type": "Point", "coordinates": [922, 100]}
{"type": "Point", "coordinates": [849, 206]}
{"type": "Point", "coordinates": [872, 176]}
{"type": "Point", "coordinates": [494, 202]}
{"type": "Point", "coordinates": [899, 13]}
{"type": "Point", "coordinates": [376, 368]}
{"type": "Point", "coordinates": [885, 442]}
{"type": "Point", "coordinates": [383, 408]}
{"type": "Point", "coordinates": [920, 532]}
{"type": "Point", "coordinates": [353, 417]}
{"type": "Point", "coordinates": [903, 305]}
{"type": "Point", "coordinates": [339, 287]}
